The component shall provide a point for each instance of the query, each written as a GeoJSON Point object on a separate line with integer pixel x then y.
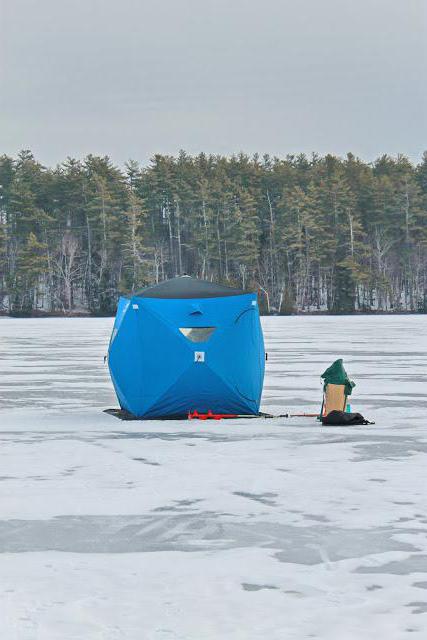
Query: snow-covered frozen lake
{"type": "Point", "coordinates": [258, 529]}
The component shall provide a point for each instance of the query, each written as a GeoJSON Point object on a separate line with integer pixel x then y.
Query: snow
{"type": "Point", "coordinates": [278, 529]}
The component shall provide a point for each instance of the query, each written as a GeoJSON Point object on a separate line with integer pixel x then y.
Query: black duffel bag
{"type": "Point", "coordinates": [338, 418]}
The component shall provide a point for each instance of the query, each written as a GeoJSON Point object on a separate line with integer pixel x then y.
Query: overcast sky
{"type": "Point", "coordinates": [130, 78]}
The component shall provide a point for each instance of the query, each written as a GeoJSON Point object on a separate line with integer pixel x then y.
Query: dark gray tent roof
{"type": "Point", "coordinates": [187, 287]}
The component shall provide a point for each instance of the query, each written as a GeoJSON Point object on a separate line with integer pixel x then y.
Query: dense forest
{"type": "Point", "coordinates": [312, 234]}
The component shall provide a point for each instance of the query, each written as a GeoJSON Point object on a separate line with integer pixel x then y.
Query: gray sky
{"type": "Point", "coordinates": [130, 78]}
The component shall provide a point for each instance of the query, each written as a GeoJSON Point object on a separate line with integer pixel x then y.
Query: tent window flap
{"type": "Point", "coordinates": [197, 334]}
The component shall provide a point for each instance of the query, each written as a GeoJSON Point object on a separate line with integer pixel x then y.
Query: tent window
{"type": "Point", "coordinates": [197, 334]}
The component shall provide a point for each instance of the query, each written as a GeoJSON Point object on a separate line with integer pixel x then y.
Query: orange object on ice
{"type": "Point", "coordinates": [195, 415]}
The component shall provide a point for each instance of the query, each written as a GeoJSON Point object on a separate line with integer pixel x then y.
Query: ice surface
{"type": "Point", "coordinates": [258, 529]}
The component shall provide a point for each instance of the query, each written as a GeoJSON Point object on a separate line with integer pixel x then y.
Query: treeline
{"type": "Point", "coordinates": [312, 234]}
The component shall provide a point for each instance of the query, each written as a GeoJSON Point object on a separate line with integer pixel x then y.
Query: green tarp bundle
{"type": "Point", "coordinates": [336, 374]}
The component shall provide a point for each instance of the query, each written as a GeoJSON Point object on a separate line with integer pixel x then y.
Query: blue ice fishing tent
{"type": "Point", "coordinates": [187, 345]}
